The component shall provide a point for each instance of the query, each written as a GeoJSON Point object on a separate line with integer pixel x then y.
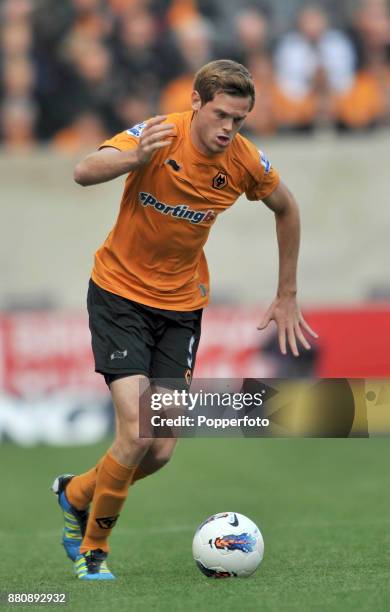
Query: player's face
{"type": "Point", "coordinates": [217, 122]}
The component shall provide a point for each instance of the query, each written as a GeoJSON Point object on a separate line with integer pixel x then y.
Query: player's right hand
{"type": "Point", "coordinates": [155, 135]}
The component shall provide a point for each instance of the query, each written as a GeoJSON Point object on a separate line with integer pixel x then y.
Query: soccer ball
{"type": "Point", "coordinates": [228, 544]}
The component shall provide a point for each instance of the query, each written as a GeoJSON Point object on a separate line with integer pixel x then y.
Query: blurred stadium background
{"type": "Point", "coordinates": [76, 71]}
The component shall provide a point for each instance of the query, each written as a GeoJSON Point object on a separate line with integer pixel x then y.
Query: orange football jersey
{"type": "Point", "coordinates": [154, 253]}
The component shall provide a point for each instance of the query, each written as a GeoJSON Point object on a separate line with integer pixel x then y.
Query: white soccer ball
{"type": "Point", "coordinates": [228, 544]}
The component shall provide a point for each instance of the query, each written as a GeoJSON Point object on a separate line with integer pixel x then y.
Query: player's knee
{"type": "Point", "coordinates": [128, 446]}
{"type": "Point", "coordinates": [127, 430]}
{"type": "Point", "coordinates": [142, 444]}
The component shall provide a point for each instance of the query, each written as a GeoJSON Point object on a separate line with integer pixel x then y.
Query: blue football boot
{"type": "Point", "coordinates": [92, 565]}
{"type": "Point", "coordinates": [75, 521]}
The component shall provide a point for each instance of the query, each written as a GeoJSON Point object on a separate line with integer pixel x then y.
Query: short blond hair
{"type": "Point", "coordinates": [224, 76]}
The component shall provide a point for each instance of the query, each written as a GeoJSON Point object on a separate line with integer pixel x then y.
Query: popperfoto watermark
{"type": "Point", "coordinates": [209, 408]}
{"type": "Point", "coordinates": [261, 408]}
{"type": "Point", "coordinates": [213, 423]}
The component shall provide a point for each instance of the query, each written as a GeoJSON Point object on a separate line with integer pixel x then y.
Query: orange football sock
{"type": "Point", "coordinates": [112, 484]}
{"type": "Point", "coordinates": [81, 488]}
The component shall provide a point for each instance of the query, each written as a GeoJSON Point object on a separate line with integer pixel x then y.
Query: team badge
{"type": "Point", "coordinates": [220, 180]}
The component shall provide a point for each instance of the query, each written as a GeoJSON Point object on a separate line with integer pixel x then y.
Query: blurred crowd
{"type": "Point", "coordinates": [76, 71]}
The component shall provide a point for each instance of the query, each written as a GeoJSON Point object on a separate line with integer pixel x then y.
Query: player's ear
{"type": "Point", "coordinates": [196, 102]}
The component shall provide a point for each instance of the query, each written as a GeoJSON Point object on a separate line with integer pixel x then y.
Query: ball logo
{"type": "Point", "coordinates": [220, 180]}
{"type": "Point", "coordinates": [244, 542]}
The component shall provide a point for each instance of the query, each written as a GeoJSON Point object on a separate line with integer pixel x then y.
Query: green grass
{"type": "Point", "coordinates": [322, 505]}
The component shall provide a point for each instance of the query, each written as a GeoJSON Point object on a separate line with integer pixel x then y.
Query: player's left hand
{"type": "Point", "coordinates": [289, 322]}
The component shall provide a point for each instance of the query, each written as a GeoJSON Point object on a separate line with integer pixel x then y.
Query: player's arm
{"type": "Point", "coordinates": [284, 310]}
{"type": "Point", "coordinates": [109, 163]}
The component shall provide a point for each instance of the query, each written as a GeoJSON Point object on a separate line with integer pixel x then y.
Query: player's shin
{"type": "Point", "coordinates": [112, 484]}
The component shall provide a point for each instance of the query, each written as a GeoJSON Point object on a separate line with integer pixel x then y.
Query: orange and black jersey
{"type": "Point", "coordinates": [154, 253]}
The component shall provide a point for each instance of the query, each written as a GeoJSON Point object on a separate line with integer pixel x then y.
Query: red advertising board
{"type": "Point", "coordinates": [45, 351]}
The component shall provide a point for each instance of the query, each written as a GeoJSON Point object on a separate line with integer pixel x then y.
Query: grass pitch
{"type": "Point", "coordinates": [322, 506]}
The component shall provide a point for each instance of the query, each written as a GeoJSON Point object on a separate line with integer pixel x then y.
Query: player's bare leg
{"type": "Point", "coordinates": [115, 475]}
{"type": "Point", "coordinates": [129, 448]}
{"type": "Point", "coordinates": [161, 450]}
{"type": "Point", "coordinates": [80, 489]}
{"type": "Point", "coordinates": [158, 455]}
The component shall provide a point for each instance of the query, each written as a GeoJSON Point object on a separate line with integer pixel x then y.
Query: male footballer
{"type": "Point", "coordinates": [150, 280]}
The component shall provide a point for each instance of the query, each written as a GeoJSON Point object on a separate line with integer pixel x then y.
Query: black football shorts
{"type": "Point", "coordinates": [131, 338]}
